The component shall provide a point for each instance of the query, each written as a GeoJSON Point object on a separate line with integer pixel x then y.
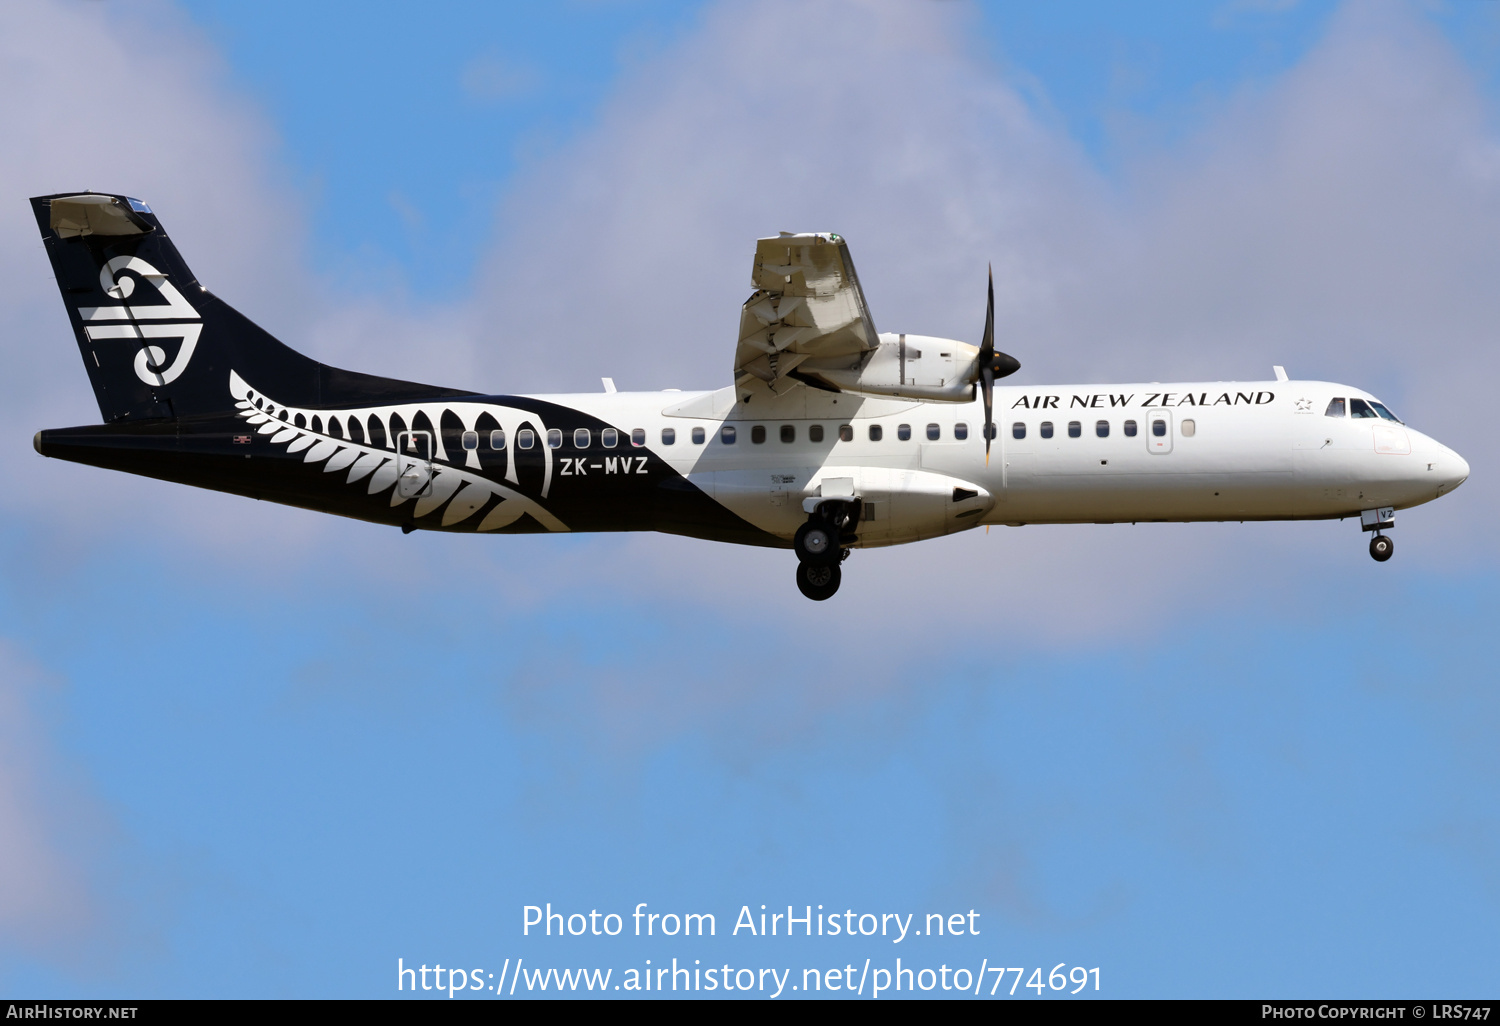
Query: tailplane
{"type": "Point", "coordinates": [157, 344]}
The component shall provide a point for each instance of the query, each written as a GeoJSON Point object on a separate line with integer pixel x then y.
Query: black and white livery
{"type": "Point", "coordinates": [832, 436]}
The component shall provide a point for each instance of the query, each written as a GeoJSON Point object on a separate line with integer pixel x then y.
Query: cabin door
{"type": "Point", "coordinates": [413, 464]}
{"type": "Point", "coordinates": [1159, 431]}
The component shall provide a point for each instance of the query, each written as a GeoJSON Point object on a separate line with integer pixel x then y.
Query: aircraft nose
{"type": "Point", "coordinates": [1454, 470]}
{"type": "Point", "coordinates": [1460, 473]}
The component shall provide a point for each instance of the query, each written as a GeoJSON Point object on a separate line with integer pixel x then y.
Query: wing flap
{"type": "Point", "coordinates": [807, 305]}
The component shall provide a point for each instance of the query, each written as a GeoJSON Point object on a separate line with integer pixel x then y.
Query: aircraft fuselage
{"type": "Point", "coordinates": [700, 464]}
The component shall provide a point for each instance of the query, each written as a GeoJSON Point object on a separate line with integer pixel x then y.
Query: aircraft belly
{"type": "Point", "coordinates": [1145, 487]}
{"type": "Point", "coordinates": [771, 500]}
{"type": "Point", "coordinates": [900, 504]}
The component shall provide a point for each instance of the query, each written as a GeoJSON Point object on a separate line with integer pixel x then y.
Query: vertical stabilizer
{"type": "Point", "coordinates": [157, 344]}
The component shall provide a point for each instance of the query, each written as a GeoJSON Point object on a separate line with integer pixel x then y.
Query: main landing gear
{"type": "Point", "coordinates": [821, 545]}
{"type": "Point", "coordinates": [1378, 520]}
{"type": "Point", "coordinates": [818, 581]}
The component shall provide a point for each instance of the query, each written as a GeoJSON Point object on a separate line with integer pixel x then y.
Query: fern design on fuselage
{"type": "Point", "coordinates": [459, 492]}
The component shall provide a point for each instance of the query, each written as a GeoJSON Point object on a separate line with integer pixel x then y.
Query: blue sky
{"type": "Point", "coordinates": [250, 751]}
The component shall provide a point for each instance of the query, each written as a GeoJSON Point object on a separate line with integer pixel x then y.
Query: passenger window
{"type": "Point", "coordinates": [497, 439]}
{"type": "Point", "coordinates": [638, 436]}
{"type": "Point", "coordinates": [934, 432]}
{"type": "Point", "coordinates": [1359, 408]}
{"type": "Point", "coordinates": [903, 432]}
{"type": "Point", "coordinates": [668, 436]}
{"type": "Point", "coordinates": [815, 433]}
{"type": "Point", "coordinates": [1046, 429]}
{"type": "Point", "coordinates": [582, 438]}
{"type": "Point", "coordinates": [609, 438]}
{"type": "Point", "coordinates": [726, 434]}
{"type": "Point", "coordinates": [1018, 430]}
{"type": "Point", "coordinates": [1189, 428]}
{"type": "Point", "coordinates": [788, 433]}
{"type": "Point", "coordinates": [1380, 408]}
{"type": "Point", "coordinates": [758, 434]}
{"type": "Point", "coordinates": [1159, 428]}
{"type": "Point", "coordinates": [554, 438]}
{"type": "Point", "coordinates": [525, 438]}
{"type": "Point", "coordinates": [1101, 428]}
{"type": "Point", "coordinates": [1130, 429]}
{"type": "Point", "coordinates": [1075, 429]}
{"type": "Point", "coordinates": [698, 436]}
{"type": "Point", "coordinates": [961, 431]}
{"type": "Point", "coordinates": [1335, 408]}
{"type": "Point", "coordinates": [471, 440]}
{"type": "Point", "coordinates": [876, 432]}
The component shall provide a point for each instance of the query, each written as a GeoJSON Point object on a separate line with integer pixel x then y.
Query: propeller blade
{"type": "Point", "coordinates": [986, 367]}
{"type": "Point", "coordinates": [987, 385]}
{"type": "Point", "coordinates": [987, 345]}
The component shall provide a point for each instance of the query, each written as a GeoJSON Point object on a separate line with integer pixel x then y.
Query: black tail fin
{"type": "Point", "coordinates": [157, 344]}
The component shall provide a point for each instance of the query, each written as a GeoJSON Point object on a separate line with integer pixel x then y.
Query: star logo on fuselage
{"type": "Point", "coordinates": [1304, 405]}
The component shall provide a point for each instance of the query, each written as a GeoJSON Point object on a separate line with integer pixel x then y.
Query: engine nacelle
{"type": "Point", "coordinates": [906, 366]}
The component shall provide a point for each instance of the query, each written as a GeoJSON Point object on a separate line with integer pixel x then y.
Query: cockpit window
{"type": "Point", "coordinates": [1380, 408]}
{"type": "Point", "coordinates": [1335, 408]}
{"type": "Point", "coordinates": [1359, 408]}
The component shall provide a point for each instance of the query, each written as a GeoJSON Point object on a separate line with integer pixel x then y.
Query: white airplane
{"type": "Point", "coordinates": [832, 436]}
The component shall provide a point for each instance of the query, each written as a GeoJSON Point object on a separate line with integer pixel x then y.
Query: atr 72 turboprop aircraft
{"type": "Point", "coordinates": [831, 437]}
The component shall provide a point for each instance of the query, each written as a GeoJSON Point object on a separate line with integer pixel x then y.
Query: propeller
{"type": "Point", "coordinates": [992, 365]}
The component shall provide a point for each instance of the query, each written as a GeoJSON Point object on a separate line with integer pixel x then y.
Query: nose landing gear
{"type": "Point", "coordinates": [1377, 520]}
{"type": "Point", "coordinates": [820, 545]}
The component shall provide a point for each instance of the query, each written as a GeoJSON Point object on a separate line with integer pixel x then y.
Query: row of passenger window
{"type": "Point", "coordinates": [582, 438]}
{"type": "Point", "coordinates": [609, 438]}
{"type": "Point", "coordinates": [1101, 428]}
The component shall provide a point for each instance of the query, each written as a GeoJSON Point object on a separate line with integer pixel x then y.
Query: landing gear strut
{"type": "Point", "coordinates": [1377, 520]}
{"type": "Point", "coordinates": [820, 547]}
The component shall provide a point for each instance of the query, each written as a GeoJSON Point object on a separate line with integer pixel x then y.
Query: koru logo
{"type": "Point", "coordinates": [177, 319]}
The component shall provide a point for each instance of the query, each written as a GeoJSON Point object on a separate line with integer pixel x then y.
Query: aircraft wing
{"type": "Point", "coordinates": [807, 305]}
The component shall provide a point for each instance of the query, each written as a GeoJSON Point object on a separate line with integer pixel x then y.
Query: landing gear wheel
{"type": "Point", "coordinates": [1381, 548]}
{"type": "Point", "coordinates": [817, 542]}
{"type": "Point", "coordinates": [818, 581]}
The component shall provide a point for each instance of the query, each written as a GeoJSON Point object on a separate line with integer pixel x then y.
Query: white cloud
{"type": "Point", "coordinates": [131, 100]}
{"type": "Point", "coordinates": [1341, 220]}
